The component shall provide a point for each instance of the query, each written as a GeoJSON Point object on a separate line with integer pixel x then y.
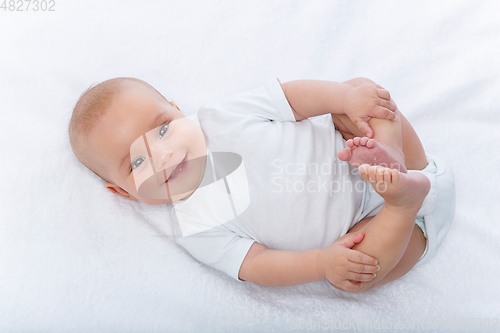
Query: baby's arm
{"type": "Point", "coordinates": [310, 98]}
{"type": "Point", "coordinates": [337, 263]}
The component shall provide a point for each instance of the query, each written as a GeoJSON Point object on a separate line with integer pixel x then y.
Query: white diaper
{"type": "Point", "coordinates": [438, 209]}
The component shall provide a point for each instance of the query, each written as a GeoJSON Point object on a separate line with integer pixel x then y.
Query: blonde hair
{"type": "Point", "coordinates": [89, 108]}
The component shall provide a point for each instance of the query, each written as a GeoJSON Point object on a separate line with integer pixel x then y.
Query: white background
{"type": "Point", "coordinates": [75, 257]}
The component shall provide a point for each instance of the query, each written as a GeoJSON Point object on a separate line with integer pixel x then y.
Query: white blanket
{"type": "Point", "coordinates": [75, 257]}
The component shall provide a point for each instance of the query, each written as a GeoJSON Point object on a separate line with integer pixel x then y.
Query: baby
{"type": "Point", "coordinates": [284, 232]}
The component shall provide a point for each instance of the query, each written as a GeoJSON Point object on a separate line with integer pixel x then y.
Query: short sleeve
{"type": "Point", "coordinates": [219, 248]}
{"type": "Point", "coordinates": [267, 102]}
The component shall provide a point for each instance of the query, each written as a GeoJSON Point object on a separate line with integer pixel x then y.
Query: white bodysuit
{"type": "Point", "coordinates": [301, 195]}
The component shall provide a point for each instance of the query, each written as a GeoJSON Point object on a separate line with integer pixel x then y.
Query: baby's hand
{"type": "Point", "coordinates": [367, 101]}
{"type": "Point", "coordinates": [344, 268]}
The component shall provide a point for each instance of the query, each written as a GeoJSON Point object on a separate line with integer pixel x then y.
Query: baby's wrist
{"type": "Point", "coordinates": [346, 96]}
{"type": "Point", "coordinates": [321, 264]}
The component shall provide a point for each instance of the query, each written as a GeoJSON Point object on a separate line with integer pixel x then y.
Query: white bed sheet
{"type": "Point", "coordinates": [75, 257]}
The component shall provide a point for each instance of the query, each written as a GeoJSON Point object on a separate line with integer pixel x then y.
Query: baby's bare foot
{"type": "Point", "coordinates": [404, 190]}
{"type": "Point", "coordinates": [372, 152]}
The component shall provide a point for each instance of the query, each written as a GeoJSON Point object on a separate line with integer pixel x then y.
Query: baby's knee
{"type": "Point", "coordinates": [358, 81]}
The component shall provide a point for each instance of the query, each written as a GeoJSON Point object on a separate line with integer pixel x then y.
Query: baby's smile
{"type": "Point", "coordinates": [158, 170]}
{"type": "Point", "coordinates": [151, 151]}
{"type": "Point", "coordinates": [178, 171]}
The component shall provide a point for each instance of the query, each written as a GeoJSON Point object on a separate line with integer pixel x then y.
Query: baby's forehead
{"type": "Point", "coordinates": [132, 90]}
{"type": "Point", "coordinates": [135, 103]}
{"type": "Point", "coordinates": [133, 95]}
{"type": "Point", "coordinates": [138, 86]}
{"type": "Point", "coordinates": [131, 113]}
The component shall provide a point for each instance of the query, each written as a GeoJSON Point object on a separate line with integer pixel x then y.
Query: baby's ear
{"type": "Point", "coordinates": [118, 190]}
{"type": "Point", "coordinates": [174, 105]}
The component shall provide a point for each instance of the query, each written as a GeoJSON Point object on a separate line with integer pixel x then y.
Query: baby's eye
{"type": "Point", "coordinates": [137, 162]}
{"type": "Point", "coordinates": [163, 130]}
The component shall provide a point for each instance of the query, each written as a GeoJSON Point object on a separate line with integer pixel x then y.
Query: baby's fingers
{"type": "Point", "coordinates": [365, 128]}
{"type": "Point", "coordinates": [362, 268]}
{"type": "Point", "coordinates": [389, 105]}
{"type": "Point", "coordinates": [358, 277]}
{"type": "Point", "coordinates": [382, 93]}
{"type": "Point", "coordinates": [361, 258]}
{"type": "Point", "coordinates": [382, 112]}
{"type": "Point", "coordinates": [386, 100]}
{"type": "Point", "coordinates": [350, 286]}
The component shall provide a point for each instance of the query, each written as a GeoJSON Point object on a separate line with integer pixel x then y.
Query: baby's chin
{"type": "Point", "coordinates": [156, 202]}
{"type": "Point", "coordinates": [178, 188]}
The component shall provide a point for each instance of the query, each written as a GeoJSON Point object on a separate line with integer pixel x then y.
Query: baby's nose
{"type": "Point", "coordinates": [162, 158]}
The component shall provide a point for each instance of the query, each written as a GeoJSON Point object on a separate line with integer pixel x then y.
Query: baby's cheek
{"type": "Point", "coordinates": [140, 176]}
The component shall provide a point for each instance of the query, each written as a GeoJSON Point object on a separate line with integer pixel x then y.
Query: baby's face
{"type": "Point", "coordinates": [149, 149]}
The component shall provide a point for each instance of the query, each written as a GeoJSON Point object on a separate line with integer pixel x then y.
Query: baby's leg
{"type": "Point", "coordinates": [413, 252]}
{"type": "Point", "coordinates": [407, 238]}
{"type": "Point", "coordinates": [392, 236]}
{"type": "Point", "coordinates": [394, 143]}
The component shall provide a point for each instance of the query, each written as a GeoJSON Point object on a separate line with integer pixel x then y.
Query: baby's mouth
{"type": "Point", "coordinates": [180, 167]}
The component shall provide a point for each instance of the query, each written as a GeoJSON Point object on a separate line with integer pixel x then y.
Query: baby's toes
{"type": "Point", "coordinates": [344, 154]}
{"type": "Point", "coordinates": [396, 176]}
{"type": "Point", "coordinates": [372, 174]}
{"type": "Point", "coordinates": [363, 141]}
{"type": "Point", "coordinates": [380, 174]}
{"type": "Point", "coordinates": [350, 143]}
{"type": "Point", "coordinates": [370, 143]}
{"type": "Point", "coordinates": [356, 140]}
{"type": "Point", "coordinates": [363, 171]}
{"type": "Point", "coordinates": [387, 175]}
